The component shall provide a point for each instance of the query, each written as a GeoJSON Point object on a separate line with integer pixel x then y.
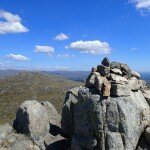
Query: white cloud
{"type": "Point", "coordinates": [44, 49]}
{"type": "Point", "coordinates": [61, 37]}
{"type": "Point", "coordinates": [141, 4]}
{"type": "Point", "coordinates": [91, 47]}
{"type": "Point", "coordinates": [12, 23]}
{"type": "Point", "coordinates": [18, 57]}
{"type": "Point", "coordinates": [65, 55]}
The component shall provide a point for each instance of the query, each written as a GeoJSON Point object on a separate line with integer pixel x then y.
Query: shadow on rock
{"type": "Point", "coordinates": [55, 130]}
{"type": "Point", "coordinates": [59, 145]}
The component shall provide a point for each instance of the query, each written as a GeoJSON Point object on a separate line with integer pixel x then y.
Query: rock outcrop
{"type": "Point", "coordinates": [111, 112]}
{"type": "Point", "coordinates": [36, 127]}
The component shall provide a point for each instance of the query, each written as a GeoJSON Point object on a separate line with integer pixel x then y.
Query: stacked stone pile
{"type": "Point", "coordinates": [114, 79]}
{"type": "Point", "coordinates": [111, 112]}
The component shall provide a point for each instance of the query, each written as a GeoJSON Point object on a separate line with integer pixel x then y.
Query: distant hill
{"type": "Point", "coordinates": [31, 85]}
{"type": "Point", "coordinates": [72, 75]}
{"type": "Point", "coordinates": [8, 72]}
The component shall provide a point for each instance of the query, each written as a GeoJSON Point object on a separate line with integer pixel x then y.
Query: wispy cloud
{"type": "Point", "coordinates": [141, 4]}
{"type": "Point", "coordinates": [18, 57]}
{"type": "Point", "coordinates": [65, 55]}
{"type": "Point", "coordinates": [11, 24]}
{"type": "Point", "coordinates": [61, 68]}
{"type": "Point", "coordinates": [44, 49]}
{"type": "Point", "coordinates": [134, 49]}
{"type": "Point", "coordinates": [61, 37]}
{"type": "Point", "coordinates": [91, 47]}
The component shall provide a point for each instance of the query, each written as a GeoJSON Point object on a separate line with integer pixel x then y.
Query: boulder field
{"type": "Point", "coordinates": [111, 112]}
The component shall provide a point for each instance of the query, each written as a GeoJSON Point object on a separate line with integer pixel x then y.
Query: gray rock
{"type": "Point", "coordinates": [5, 130]}
{"type": "Point", "coordinates": [115, 65]}
{"type": "Point", "coordinates": [103, 70]}
{"type": "Point", "coordinates": [147, 135]}
{"type": "Point", "coordinates": [98, 83]}
{"type": "Point", "coordinates": [142, 84]}
{"type": "Point", "coordinates": [29, 113]}
{"type": "Point", "coordinates": [67, 119]}
{"type": "Point", "coordinates": [116, 71]}
{"type": "Point", "coordinates": [55, 118]}
{"type": "Point", "coordinates": [118, 90]}
{"type": "Point", "coordinates": [106, 62]}
{"type": "Point", "coordinates": [90, 82]}
{"type": "Point", "coordinates": [114, 141]}
{"type": "Point", "coordinates": [106, 86]}
{"type": "Point", "coordinates": [135, 74]}
{"type": "Point", "coordinates": [23, 143]}
{"type": "Point", "coordinates": [126, 70]}
{"type": "Point", "coordinates": [84, 133]}
{"type": "Point", "coordinates": [118, 79]}
{"type": "Point", "coordinates": [114, 123]}
{"type": "Point", "coordinates": [34, 118]}
{"type": "Point", "coordinates": [134, 84]}
{"type": "Point", "coordinates": [146, 94]}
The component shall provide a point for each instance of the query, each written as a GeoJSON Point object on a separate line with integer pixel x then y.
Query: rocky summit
{"type": "Point", "coordinates": [111, 112]}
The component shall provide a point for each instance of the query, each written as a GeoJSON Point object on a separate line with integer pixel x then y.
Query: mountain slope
{"type": "Point", "coordinates": [31, 85]}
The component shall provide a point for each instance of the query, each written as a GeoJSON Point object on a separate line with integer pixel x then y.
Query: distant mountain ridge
{"type": "Point", "coordinates": [79, 76]}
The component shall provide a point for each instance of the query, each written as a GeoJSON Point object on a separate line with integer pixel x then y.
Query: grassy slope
{"type": "Point", "coordinates": [25, 86]}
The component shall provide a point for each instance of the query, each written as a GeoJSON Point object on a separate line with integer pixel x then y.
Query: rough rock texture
{"type": "Point", "coordinates": [106, 62]}
{"type": "Point", "coordinates": [112, 119]}
{"type": "Point", "coordinates": [39, 121]}
{"type": "Point", "coordinates": [9, 140]}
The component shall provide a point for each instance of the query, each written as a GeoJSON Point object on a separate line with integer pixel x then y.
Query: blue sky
{"type": "Point", "coordinates": [74, 34]}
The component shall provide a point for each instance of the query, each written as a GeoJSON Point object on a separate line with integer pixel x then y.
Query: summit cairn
{"type": "Point", "coordinates": [111, 112]}
{"type": "Point", "coordinates": [113, 79]}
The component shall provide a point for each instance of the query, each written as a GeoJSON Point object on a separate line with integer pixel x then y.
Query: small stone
{"type": "Point", "coordinates": [106, 86]}
{"type": "Point", "coordinates": [135, 74]}
{"type": "Point", "coordinates": [94, 69]}
{"type": "Point", "coordinates": [98, 83]}
{"type": "Point", "coordinates": [90, 82]}
{"type": "Point", "coordinates": [134, 84]}
{"type": "Point", "coordinates": [116, 71]}
{"type": "Point", "coordinates": [118, 90]}
{"type": "Point", "coordinates": [118, 79]}
{"type": "Point", "coordinates": [115, 65]}
{"type": "Point", "coordinates": [106, 62]}
{"type": "Point", "coordinates": [125, 70]}
{"type": "Point", "coordinates": [103, 70]}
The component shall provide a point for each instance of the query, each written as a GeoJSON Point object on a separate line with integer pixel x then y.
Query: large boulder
{"type": "Point", "coordinates": [35, 120]}
{"type": "Point", "coordinates": [32, 118]}
{"type": "Point", "coordinates": [67, 121]}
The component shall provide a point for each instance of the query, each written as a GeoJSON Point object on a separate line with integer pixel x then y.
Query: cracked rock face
{"type": "Point", "coordinates": [110, 112]}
